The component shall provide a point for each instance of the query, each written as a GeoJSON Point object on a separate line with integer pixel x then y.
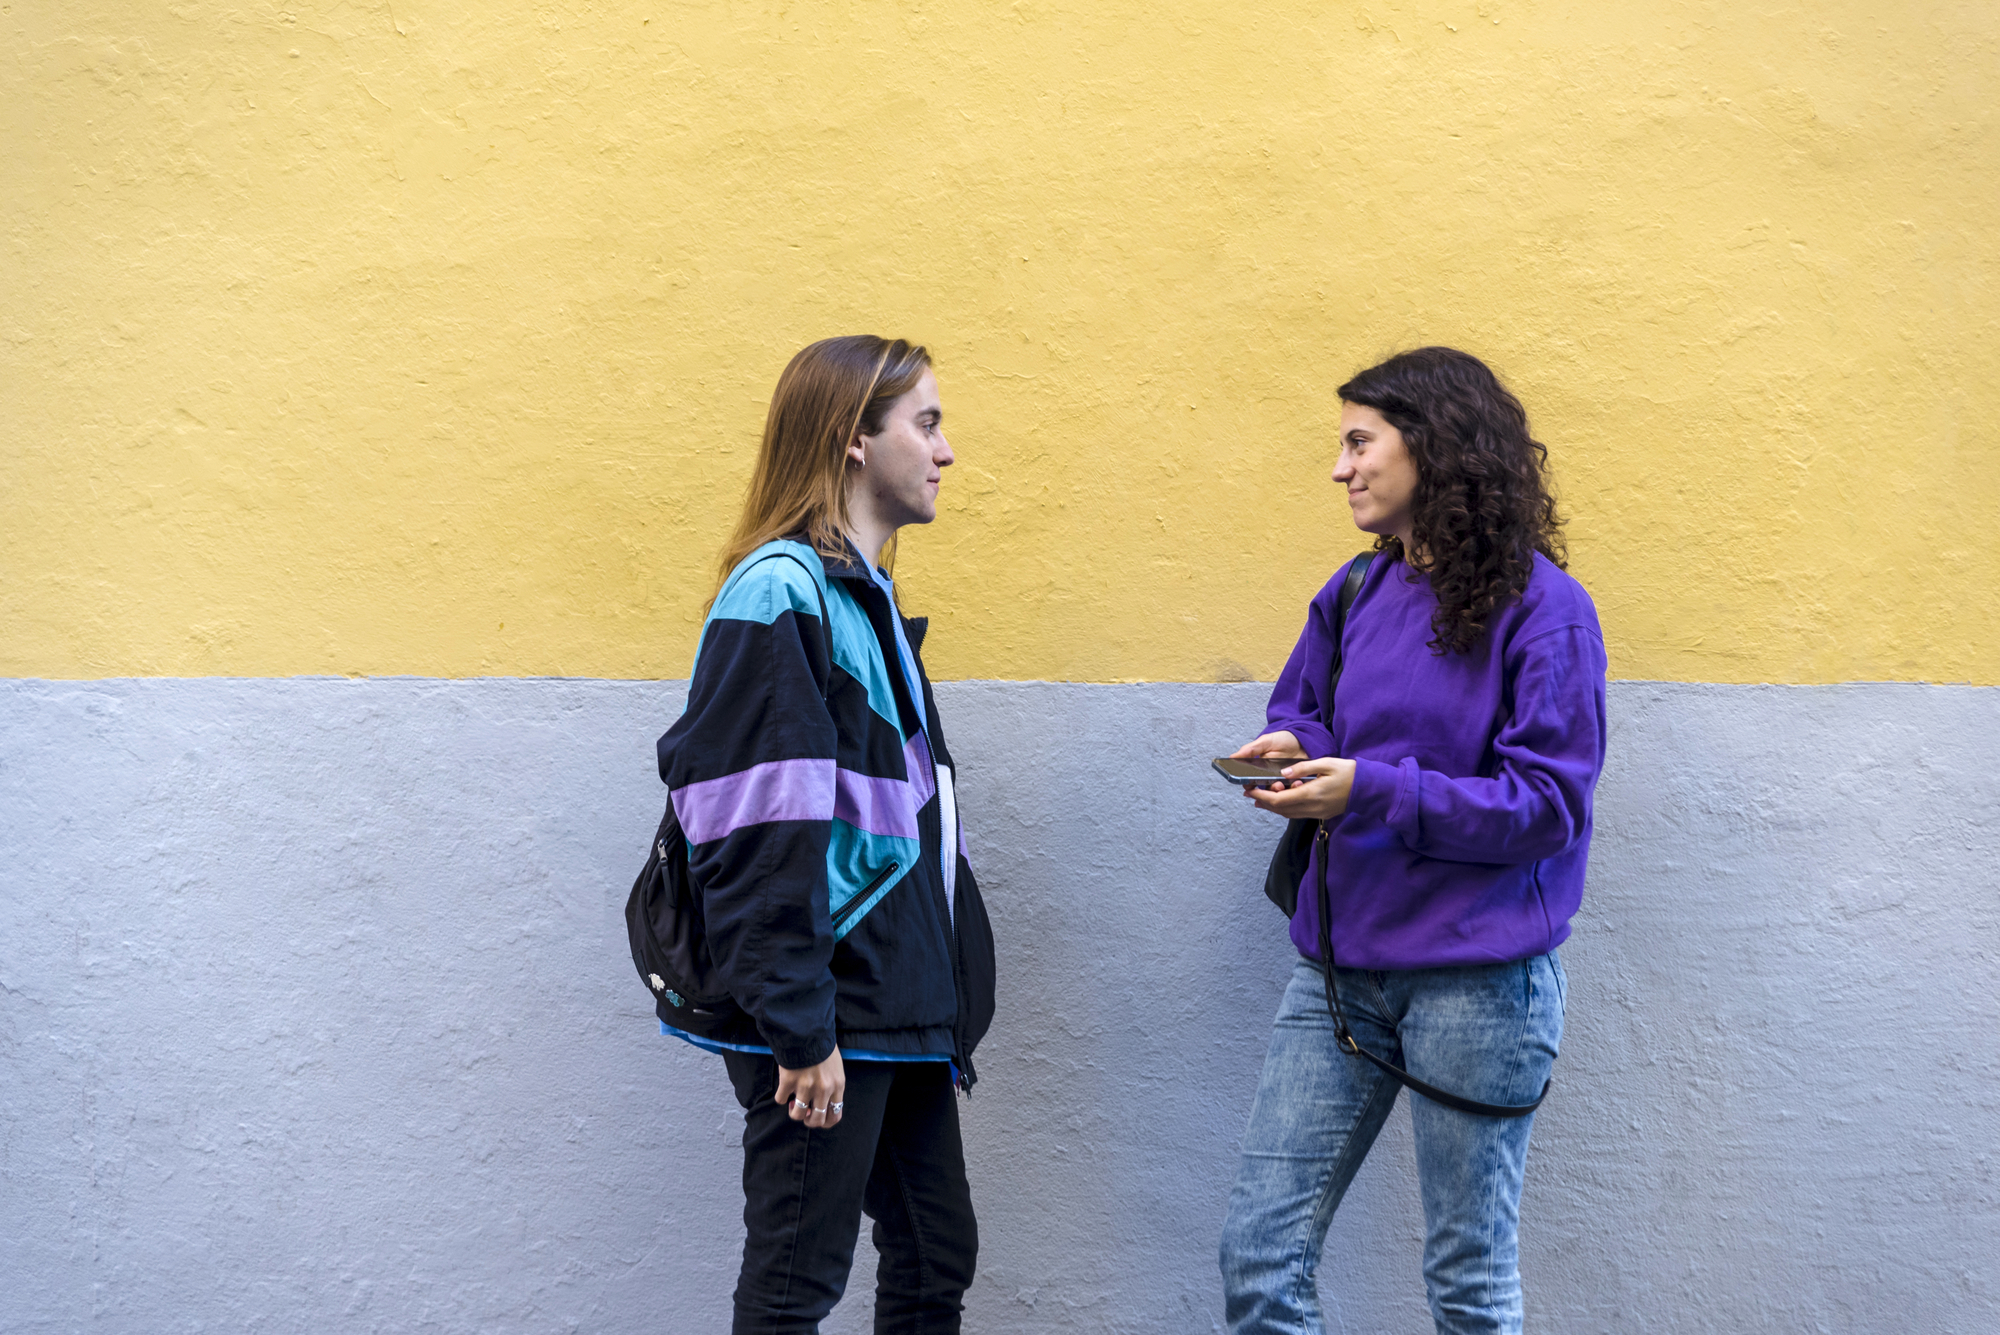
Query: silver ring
{"type": "Point", "coordinates": [835, 1107]}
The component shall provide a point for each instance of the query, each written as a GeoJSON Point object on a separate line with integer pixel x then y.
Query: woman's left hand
{"type": "Point", "coordinates": [1313, 790]}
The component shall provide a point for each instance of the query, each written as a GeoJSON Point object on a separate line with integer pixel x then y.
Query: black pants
{"type": "Point", "coordinates": [896, 1154]}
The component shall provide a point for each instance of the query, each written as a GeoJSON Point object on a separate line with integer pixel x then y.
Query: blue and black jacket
{"type": "Point", "coordinates": [808, 791]}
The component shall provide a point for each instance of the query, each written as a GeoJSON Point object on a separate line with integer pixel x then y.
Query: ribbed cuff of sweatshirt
{"type": "Point", "coordinates": [795, 1053]}
{"type": "Point", "coordinates": [1379, 789]}
{"type": "Point", "coordinates": [1314, 739]}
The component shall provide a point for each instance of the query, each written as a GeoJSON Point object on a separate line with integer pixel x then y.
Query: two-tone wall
{"type": "Point", "coordinates": [378, 382]}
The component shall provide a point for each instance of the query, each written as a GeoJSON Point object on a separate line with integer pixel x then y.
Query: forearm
{"type": "Point", "coordinates": [1514, 817]}
{"type": "Point", "coordinates": [764, 905]}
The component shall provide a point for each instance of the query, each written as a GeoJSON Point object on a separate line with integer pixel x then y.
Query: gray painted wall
{"type": "Point", "coordinates": [315, 1013]}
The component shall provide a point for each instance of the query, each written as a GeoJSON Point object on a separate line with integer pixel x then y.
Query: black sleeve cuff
{"type": "Point", "coordinates": [795, 1053]}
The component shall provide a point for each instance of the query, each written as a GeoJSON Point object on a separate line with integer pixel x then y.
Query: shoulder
{"type": "Point", "coordinates": [1555, 620]}
{"type": "Point", "coordinates": [1329, 595]}
{"type": "Point", "coordinates": [778, 577]}
{"type": "Point", "coordinates": [1554, 600]}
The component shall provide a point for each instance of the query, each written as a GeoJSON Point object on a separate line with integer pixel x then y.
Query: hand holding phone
{"type": "Point", "coordinates": [1255, 772]}
{"type": "Point", "coordinates": [1317, 791]}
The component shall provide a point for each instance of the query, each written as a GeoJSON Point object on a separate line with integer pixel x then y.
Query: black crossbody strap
{"type": "Point", "coordinates": [1342, 1035]}
{"type": "Point", "coordinates": [1357, 570]}
{"type": "Point", "coordinates": [825, 621]}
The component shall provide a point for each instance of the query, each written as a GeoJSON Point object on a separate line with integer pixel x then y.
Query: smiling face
{"type": "Point", "coordinates": [1376, 469]}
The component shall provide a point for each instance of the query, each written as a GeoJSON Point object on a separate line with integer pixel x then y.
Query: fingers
{"type": "Point", "coordinates": [1312, 796]}
{"type": "Point", "coordinates": [833, 1092]}
{"type": "Point", "coordinates": [1312, 769]}
{"type": "Point", "coordinates": [818, 1103]}
{"type": "Point", "coordinates": [805, 1097]}
{"type": "Point", "coordinates": [1267, 798]}
{"type": "Point", "coordinates": [814, 1095]}
{"type": "Point", "coordinates": [1297, 799]}
{"type": "Point", "coordinates": [835, 1078]}
{"type": "Point", "coordinates": [828, 1103]}
{"type": "Point", "coordinates": [1274, 744]}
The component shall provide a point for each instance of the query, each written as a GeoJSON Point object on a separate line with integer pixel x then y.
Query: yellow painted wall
{"type": "Point", "coordinates": [416, 338]}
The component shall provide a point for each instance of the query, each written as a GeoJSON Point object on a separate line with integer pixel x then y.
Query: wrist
{"type": "Point", "coordinates": [1372, 788]}
{"type": "Point", "coordinates": [800, 1054]}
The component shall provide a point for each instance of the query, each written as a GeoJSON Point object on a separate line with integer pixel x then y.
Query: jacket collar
{"type": "Point", "coordinates": [848, 565]}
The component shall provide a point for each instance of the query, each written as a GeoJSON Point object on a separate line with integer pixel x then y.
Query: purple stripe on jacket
{"type": "Point", "coordinates": [917, 761]}
{"type": "Point", "coordinates": [879, 806]}
{"type": "Point", "coordinates": [776, 790]}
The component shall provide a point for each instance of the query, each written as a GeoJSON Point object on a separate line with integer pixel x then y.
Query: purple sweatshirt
{"type": "Point", "coordinates": [1468, 831]}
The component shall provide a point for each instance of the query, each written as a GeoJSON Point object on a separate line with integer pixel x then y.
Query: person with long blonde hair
{"type": "Point", "coordinates": [811, 778]}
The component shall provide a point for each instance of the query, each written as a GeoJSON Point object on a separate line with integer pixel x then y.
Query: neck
{"type": "Point", "coordinates": [869, 535]}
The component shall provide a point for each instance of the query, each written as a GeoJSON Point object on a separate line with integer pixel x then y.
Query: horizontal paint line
{"type": "Point", "coordinates": [976, 681]}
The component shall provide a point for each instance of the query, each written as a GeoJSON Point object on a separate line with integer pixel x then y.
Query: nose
{"type": "Point", "coordinates": [943, 457]}
{"type": "Point", "coordinates": [1343, 467]}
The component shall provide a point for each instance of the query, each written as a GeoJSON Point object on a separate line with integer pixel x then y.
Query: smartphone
{"type": "Point", "coordinates": [1252, 773]}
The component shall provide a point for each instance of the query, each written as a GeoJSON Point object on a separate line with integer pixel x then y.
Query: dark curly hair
{"type": "Point", "coordinates": [1482, 508]}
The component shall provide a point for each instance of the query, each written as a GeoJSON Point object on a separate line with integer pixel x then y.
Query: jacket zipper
{"type": "Point", "coordinates": [960, 1057]}
{"type": "Point", "coordinates": [934, 825]}
{"type": "Point", "coordinates": [853, 906]}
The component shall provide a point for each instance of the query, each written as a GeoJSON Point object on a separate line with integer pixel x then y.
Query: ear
{"type": "Point", "coordinates": [857, 453]}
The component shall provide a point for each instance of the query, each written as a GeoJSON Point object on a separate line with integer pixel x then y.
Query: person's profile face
{"type": "Point", "coordinates": [1376, 469]}
{"type": "Point", "coordinates": [902, 464]}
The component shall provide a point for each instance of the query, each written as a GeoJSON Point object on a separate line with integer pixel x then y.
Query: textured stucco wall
{"type": "Point", "coordinates": [434, 338]}
{"type": "Point", "coordinates": [372, 339]}
{"type": "Point", "coordinates": [314, 1014]}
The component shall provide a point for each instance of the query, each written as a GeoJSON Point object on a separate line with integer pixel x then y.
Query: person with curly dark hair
{"type": "Point", "coordinates": [1447, 719]}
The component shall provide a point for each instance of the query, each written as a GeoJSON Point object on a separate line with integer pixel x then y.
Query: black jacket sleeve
{"type": "Point", "coordinates": [750, 766]}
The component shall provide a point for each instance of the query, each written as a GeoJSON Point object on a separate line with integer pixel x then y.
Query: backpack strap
{"type": "Point", "coordinates": [825, 621]}
{"type": "Point", "coordinates": [1350, 588]}
{"type": "Point", "coordinates": [1343, 1036]}
{"type": "Point", "coordinates": [1287, 871]}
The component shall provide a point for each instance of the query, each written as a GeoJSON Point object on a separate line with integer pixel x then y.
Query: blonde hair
{"type": "Point", "coordinates": [832, 391]}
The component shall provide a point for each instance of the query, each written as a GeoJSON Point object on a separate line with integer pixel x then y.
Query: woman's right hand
{"type": "Point", "coordinates": [813, 1094]}
{"type": "Point", "coordinates": [1271, 746]}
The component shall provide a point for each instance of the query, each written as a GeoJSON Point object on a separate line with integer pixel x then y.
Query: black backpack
{"type": "Point", "coordinates": [670, 944]}
{"type": "Point", "coordinates": [663, 918]}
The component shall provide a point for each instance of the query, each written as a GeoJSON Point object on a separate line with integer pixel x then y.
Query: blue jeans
{"type": "Point", "coordinates": [1489, 1033]}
